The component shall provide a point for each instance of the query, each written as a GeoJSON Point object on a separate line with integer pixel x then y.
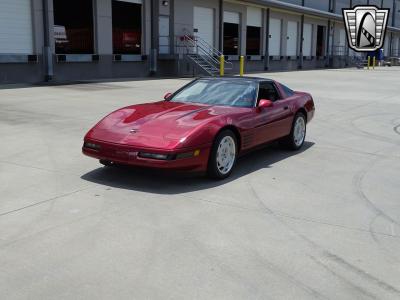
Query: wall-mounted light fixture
{"type": "Point", "coordinates": [165, 3]}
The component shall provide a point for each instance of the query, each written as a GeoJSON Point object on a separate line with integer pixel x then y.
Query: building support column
{"type": "Point", "coordinates": [301, 42]}
{"type": "Point", "coordinates": [328, 37]}
{"type": "Point", "coordinates": [393, 25]}
{"type": "Point", "coordinates": [47, 55]}
{"type": "Point", "coordinates": [267, 35]}
{"type": "Point", "coordinates": [221, 26]}
{"type": "Point", "coordinates": [391, 45]}
{"type": "Point", "coordinates": [172, 37]}
{"type": "Point", "coordinates": [154, 36]}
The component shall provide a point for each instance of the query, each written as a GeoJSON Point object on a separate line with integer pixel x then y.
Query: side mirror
{"type": "Point", "coordinates": [167, 96]}
{"type": "Point", "coordinates": [264, 103]}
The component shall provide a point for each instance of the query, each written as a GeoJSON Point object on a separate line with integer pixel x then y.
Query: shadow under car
{"type": "Point", "coordinates": [156, 181]}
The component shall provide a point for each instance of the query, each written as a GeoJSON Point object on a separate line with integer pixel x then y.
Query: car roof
{"type": "Point", "coordinates": [246, 78]}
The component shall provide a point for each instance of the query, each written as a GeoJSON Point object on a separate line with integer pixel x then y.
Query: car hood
{"type": "Point", "coordinates": [162, 125]}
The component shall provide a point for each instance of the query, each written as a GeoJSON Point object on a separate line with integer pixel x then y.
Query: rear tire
{"type": "Point", "coordinates": [295, 140]}
{"type": "Point", "coordinates": [223, 155]}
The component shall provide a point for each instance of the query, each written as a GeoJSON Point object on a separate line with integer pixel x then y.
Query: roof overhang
{"type": "Point", "coordinates": [301, 10]}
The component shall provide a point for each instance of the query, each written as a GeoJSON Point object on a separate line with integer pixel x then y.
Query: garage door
{"type": "Point", "coordinates": [291, 49]}
{"type": "Point", "coordinates": [231, 17]}
{"type": "Point", "coordinates": [275, 37]}
{"type": "Point", "coordinates": [307, 39]}
{"type": "Point", "coordinates": [254, 16]}
{"type": "Point", "coordinates": [15, 27]}
{"type": "Point", "coordinates": [203, 23]}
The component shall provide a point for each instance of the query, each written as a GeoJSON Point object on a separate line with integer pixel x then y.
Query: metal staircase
{"type": "Point", "coordinates": [202, 55]}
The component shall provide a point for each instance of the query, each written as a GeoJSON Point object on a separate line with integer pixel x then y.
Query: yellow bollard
{"type": "Point", "coordinates": [369, 61]}
{"type": "Point", "coordinates": [374, 63]}
{"type": "Point", "coordinates": [241, 65]}
{"type": "Point", "coordinates": [221, 65]}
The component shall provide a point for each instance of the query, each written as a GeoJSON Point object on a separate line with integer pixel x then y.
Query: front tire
{"type": "Point", "coordinates": [223, 155]}
{"type": "Point", "coordinates": [295, 140]}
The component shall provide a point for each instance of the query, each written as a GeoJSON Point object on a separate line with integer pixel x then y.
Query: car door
{"type": "Point", "coordinates": [273, 122]}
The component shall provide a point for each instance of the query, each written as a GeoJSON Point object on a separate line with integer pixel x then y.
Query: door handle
{"type": "Point", "coordinates": [286, 108]}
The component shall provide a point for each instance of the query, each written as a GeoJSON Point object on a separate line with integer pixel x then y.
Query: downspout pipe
{"type": "Point", "coordinates": [154, 37]}
{"type": "Point", "coordinates": [221, 26]}
{"type": "Point", "coordinates": [267, 37]}
{"type": "Point", "coordinates": [47, 55]}
{"type": "Point", "coordinates": [328, 36]}
{"type": "Point", "coordinates": [301, 56]}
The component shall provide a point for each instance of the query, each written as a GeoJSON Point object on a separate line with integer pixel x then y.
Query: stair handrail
{"type": "Point", "coordinates": [204, 53]}
{"type": "Point", "coordinates": [198, 42]}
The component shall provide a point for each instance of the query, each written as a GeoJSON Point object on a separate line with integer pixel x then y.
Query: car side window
{"type": "Point", "coordinates": [268, 91]}
{"type": "Point", "coordinates": [287, 91]}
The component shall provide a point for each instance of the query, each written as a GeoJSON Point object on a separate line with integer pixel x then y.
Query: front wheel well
{"type": "Point", "coordinates": [303, 111]}
{"type": "Point", "coordinates": [235, 130]}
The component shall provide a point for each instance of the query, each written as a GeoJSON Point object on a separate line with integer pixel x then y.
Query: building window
{"type": "Point", "coordinates": [127, 27]}
{"type": "Point", "coordinates": [389, 4]}
{"type": "Point", "coordinates": [73, 26]}
{"type": "Point", "coordinates": [318, 4]}
{"type": "Point", "coordinates": [253, 38]}
{"type": "Point", "coordinates": [340, 4]}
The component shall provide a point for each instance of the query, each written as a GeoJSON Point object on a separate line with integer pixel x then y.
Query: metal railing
{"type": "Point", "coordinates": [339, 50]}
{"type": "Point", "coordinates": [200, 52]}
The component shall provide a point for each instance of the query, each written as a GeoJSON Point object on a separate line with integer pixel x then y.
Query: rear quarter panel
{"type": "Point", "coordinates": [301, 100]}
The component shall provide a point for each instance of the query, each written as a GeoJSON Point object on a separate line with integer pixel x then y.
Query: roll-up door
{"type": "Point", "coordinates": [253, 31]}
{"type": "Point", "coordinates": [291, 48]}
{"type": "Point", "coordinates": [203, 23]}
{"type": "Point", "coordinates": [16, 27]}
{"type": "Point", "coordinates": [254, 16]}
{"type": "Point", "coordinates": [231, 17]}
{"type": "Point", "coordinates": [275, 26]}
{"type": "Point", "coordinates": [231, 33]}
{"type": "Point", "coordinates": [307, 39]}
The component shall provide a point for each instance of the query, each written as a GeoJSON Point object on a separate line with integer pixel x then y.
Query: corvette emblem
{"type": "Point", "coordinates": [366, 27]}
{"type": "Point", "coordinates": [133, 130]}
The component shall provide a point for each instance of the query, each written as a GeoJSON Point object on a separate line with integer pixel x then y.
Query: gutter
{"type": "Point", "coordinates": [296, 8]}
{"type": "Point", "coordinates": [301, 10]}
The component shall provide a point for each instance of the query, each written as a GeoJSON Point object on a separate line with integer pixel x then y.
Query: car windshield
{"type": "Point", "coordinates": [238, 93]}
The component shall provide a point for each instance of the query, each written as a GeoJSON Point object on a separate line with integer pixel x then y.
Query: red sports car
{"type": "Point", "coordinates": [204, 126]}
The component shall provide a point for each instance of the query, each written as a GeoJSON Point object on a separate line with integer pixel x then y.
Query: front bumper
{"type": "Point", "coordinates": [129, 155]}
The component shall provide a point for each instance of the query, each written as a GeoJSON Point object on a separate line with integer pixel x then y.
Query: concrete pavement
{"type": "Point", "coordinates": [321, 223]}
